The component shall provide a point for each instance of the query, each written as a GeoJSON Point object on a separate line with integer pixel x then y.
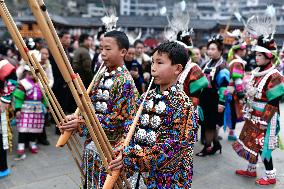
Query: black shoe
{"type": "Point", "coordinates": [207, 150]}
{"type": "Point", "coordinates": [44, 142]}
{"type": "Point", "coordinates": [216, 147]}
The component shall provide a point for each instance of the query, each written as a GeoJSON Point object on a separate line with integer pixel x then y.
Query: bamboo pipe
{"type": "Point", "coordinates": [65, 57]}
{"type": "Point", "coordinates": [19, 41]}
{"type": "Point", "coordinates": [63, 68]}
{"type": "Point", "coordinates": [111, 179]}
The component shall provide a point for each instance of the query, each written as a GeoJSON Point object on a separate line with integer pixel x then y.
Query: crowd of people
{"type": "Point", "coordinates": [206, 88]}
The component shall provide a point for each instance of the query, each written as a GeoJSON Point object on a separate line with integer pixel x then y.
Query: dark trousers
{"type": "Point", "coordinates": [27, 137]}
{"type": "Point", "coordinates": [267, 164]}
{"type": "Point", "coordinates": [42, 136]}
{"type": "Point", "coordinates": [3, 156]}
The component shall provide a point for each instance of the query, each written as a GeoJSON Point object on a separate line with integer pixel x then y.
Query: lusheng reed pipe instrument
{"type": "Point", "coordinates": [75, 84]}
{"type": "Point", "coordinates": [24, 51]}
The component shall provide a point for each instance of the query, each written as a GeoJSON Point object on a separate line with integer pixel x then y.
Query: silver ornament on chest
{"type": "Point", "coordinates": [151, 137]}
{"type": "Point", "coordinates": [104, 107]}
{"type": "Point", "coordinates": [105, 95]}
{"type": "Point", "coordinates": [101, 107]}
{"type": "Point", "coordinates": [140, 135]}
{"type": "Point", "coordinates": [99, 93]}
{"type": "Point", "coordinates": [108, 83]}
{"type": "Point", "coordinates": [98, 106]}
{"type": "Point", "coordinates": [119, 69]}
{"type": "Point", "coordinates": [137, 147]}
{"type": "Point", "coordinates": [145, 120]}
{"type": "Point", "coordinates": [155, 122]}
{"type": "Point", "coordinates": [149, 105]}
{"type": "Point", "coordinates": [101, 84]}
{"type": "Point", "coordinates": [160, 107]}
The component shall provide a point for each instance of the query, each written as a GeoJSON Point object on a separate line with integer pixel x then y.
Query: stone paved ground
{"type": "Point", "coordinates": [54, 168]}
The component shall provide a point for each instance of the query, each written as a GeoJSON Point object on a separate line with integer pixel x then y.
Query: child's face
{"type": "Point", "coordinates": [112, 55]}
{"type": "Point", "coordinates": [162, 69]}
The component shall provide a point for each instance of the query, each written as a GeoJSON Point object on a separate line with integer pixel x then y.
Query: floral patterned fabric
{"type": "Point", "coordinates": [162, 146]}
{"type": "Point", "coordinates": [114, 100]}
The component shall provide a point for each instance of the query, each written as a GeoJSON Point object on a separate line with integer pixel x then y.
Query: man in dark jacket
{"type": "Point", "coordinates": [59, 83]}
{"type": "Point", "coordinates": [82, 61]}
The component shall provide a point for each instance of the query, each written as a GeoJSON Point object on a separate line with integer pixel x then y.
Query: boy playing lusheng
{"type": "Point", "coordinates": [162, 145]}
{"type": "Point", "coordinates": [114, 100]}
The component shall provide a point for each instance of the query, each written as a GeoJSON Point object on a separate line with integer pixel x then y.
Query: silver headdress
{"type": "Point", "coordinates": [262, 25]}
{"type": "Point", "coordinates": [178, 24]}
{"type": "Point", "coordinates": [131, 36]}
{"type": "Point", "coordinates": [110, 20]}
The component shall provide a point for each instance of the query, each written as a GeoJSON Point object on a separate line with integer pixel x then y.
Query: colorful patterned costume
{"type": "Point", "coordinates": [29, 100]}
{"type": "Point", "coordinates": [193, 81]}
{"type": "Point", "coordinates": [5, 128]}
{"type": "Point", "coordinates": [7, 77]}
{"type": "Point", "coordinates": [162, 146]}
{"type": "Point", "coordinates": [234, 92]}
{"type": "Point", "coordinates": [114, 100]}
{"type": "Point", "coordinates": [260, 132]}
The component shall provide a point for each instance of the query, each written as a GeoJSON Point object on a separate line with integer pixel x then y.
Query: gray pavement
{"type": "Point", "coordinates": [54, 168]}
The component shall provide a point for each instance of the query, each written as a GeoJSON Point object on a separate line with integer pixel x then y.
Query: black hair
{"type": "Point", "coordinates": [218, 40]}
{"type": "Point", "coordinates": [12, 75]}
{"type": "Point", "coordinates": [219, 44]}
{"type": "Point", "coordinates": [176, 52]}
{"type": "Point", "coordinates": [186, 39]}
{"type": "Point", "coordinates": [120, 37]}
{"type": "Point", "coordinates": [39, 40]}
{"type": "Point", "coordinates": [83, 37]}
{"type": "Point", "coordinates": [62, 33]}
{"type": "Point", "coordinates": [101, 32]}
{"type": "Point", "coordinates": [138, 41]}
{"type": "Point", "coordinates": [266, 56]}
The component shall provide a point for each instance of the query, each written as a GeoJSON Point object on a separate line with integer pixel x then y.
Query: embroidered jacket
{"type": "Point", "coordinates": [163, 143]}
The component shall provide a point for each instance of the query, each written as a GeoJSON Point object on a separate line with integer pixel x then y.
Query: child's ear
{"type": "Point", "coordinates": [179, 69]}
{"type": "Point", "coordinates": [123, 52]}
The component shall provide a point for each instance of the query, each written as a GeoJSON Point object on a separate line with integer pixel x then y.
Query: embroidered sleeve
{"type": "Point", "coordinates": [195, 81]}
{"type": "Point", "coordinates": [19, 95]}
{"type": "Point", "coordinates": [275, 86]}
{"type": "Point", "coordinates": [222, 79]}
{"type": "Point", "coordinates": [237, 71]}
{"type": "Point", "coordinates": [237, 74]}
